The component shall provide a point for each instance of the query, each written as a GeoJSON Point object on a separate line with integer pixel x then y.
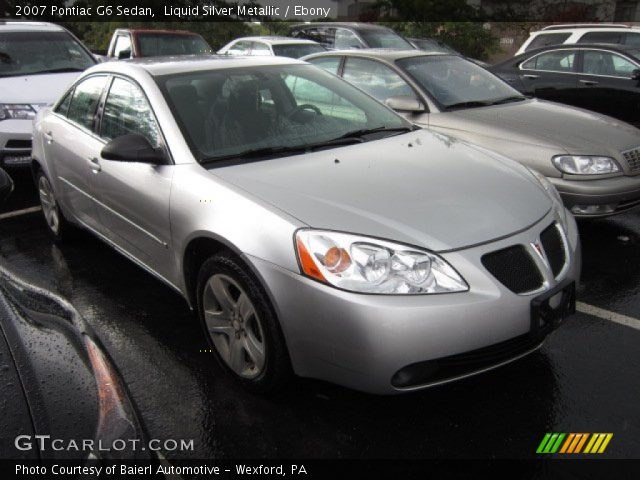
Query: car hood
{"type": "Point", "coordinates": [420, 188]}
{"type": "Point", "coordinates": [35, 89]}
{"type": "Point", "coordinates": [570, 130]}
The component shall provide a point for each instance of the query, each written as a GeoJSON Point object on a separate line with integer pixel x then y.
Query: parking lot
{"type": "Point", "coordinates": [586, 378]}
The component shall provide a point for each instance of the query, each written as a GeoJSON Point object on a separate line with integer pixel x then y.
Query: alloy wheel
{"type": "Point", "coordinates": [49, 205]}
{"type": "Point", "coordinates": [234, 326]}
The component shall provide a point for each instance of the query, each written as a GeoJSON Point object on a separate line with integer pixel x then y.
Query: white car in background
{"type": "Point", "coordinates": [611, 33]}
{"type": "Point", "coordinates": [38, 61]}
{"type": "Point", "coordinates": [271, 46]}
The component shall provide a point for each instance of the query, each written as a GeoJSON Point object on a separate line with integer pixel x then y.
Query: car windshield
{"type": "Point", "coordinates": [161, 44]}
{"type": "Point", "coordinates": [296, 50]}
{"type": "Point", "coordinates": [455, 82]}
{"type": "Point", "coordinates": [635, 53]}
{"type": "Point", "coordinates": [431, 45]}
{"type": "Point", "coordinates": [384, 39]}
{"type": "Point", "coordinates": [256, 111]}
{"type": "Point", "coordinates": [32, 53]}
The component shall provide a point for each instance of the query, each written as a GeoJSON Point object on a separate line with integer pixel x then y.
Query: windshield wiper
{"type": "Point", "coordinates": [258, 153]}
{"type": "Point", "coordinates": [366, 131]}
{"type": "Point", "coordinates": [59, 70]}
{"type": "Point", "coordinates": [514, 98]}
{"type": "Point", "coordinates": [470, 104]}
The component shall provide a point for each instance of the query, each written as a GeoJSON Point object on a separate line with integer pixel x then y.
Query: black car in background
{"type": "Point", "coordinates": [57, 379]}
{"type": "Point", "coordinates": [598, 77]}
{"type": "Point", "coordinates": [347, 36]}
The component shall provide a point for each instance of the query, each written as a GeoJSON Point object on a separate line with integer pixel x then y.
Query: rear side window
{"type": "Point", "coordinates": [84, 102]}
{"type": "Point", "coordinates": [127, 111]}
{"type": "Point", "coordinates": [544, 39]}
{"type": "Point", "coordinates": [63, 106]}
{"type": "Point", "coordinates": [601, 37]}
{"type": "Point", "coordinates": [556, 61]}
{"type": "Point", "coordinates": [259, 48]}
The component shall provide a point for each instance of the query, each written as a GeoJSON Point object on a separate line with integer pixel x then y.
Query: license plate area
{"type": "Point", "coordinates": [550, 309]}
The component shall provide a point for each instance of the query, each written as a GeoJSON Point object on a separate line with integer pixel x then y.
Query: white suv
{"type": "Point", "coordinates": [582, 33]}
{"type": "Point", "coordinates": [38, 61]}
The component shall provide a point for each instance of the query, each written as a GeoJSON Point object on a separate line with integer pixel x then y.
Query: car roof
{"type": "Point", "coordinates": [587, 29]}
{"type": "Point", "coordinates": [136, 31]}
{"type": "Point", "coordinates": [19, 26]}
{"type": "Point", "coordinates": [276, 40]}
{"type": "Point", "coordinates": [157, 66]}
{"type": "Point", "coordinates": [388, 54]}
{"type": "Point", "coordinates": [353, 25]}
{"type": "Point", "coordinates": [572, 46]}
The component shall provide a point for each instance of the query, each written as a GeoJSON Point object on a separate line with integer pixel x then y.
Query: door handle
{"type": "Point", "coordinates": [588, 82]}
{"type": "Point", "coordinates": [94, 163]}
{"type": "Point", "coordinates": [48, 137]}
{"type": "Point", "coordinates": [530, 76]}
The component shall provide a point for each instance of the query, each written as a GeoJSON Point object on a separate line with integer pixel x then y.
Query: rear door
{"type": "Point", "coordinates": [134, 197]}
{"type": "Point", "coordinates": [606, 85]}
{"type": "Point", "coordinates": [72, 147]}
{"type": "Point", "coordinates": [551, 75]}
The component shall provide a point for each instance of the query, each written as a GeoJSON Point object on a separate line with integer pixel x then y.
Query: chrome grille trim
{"type": "Point", "coordinates": [632, 157]}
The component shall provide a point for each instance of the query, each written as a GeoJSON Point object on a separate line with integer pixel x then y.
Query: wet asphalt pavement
{"type": "Point", "coordinates": [586, 378]}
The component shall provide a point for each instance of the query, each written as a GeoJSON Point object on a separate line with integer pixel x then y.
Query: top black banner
{"type": "Point", "coordinates": [325, 10]}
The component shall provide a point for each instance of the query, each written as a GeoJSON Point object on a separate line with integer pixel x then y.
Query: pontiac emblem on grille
{"type": "Point", "coordinates": [540, 251]}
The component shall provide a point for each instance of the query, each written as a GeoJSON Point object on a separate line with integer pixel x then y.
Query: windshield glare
{"type": "Point", "coordinates": [452, 80]}
{"type": "Point", "coordinates": [384, 39]}
{"type": "Point", "coordinates": [158, 44]}
{"type": "Point", "coordinates": [228, 112]}
{"type": "Point", "coordinates": [296, 50]}
{"type": "Point", "coordinates": [30, 53]}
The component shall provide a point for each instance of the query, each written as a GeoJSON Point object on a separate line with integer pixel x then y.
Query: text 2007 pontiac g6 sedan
{"type": "Point", "coordinates": [314, 230]}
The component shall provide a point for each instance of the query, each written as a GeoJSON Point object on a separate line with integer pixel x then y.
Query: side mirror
{"type": "Point", "coordinates": [6, 186]}
{"type": "Point", "coordinates": [133, 148]}
{"type": "Point", "coordinates": [405, 103]}
{"type": "Point", "coordinates": [635, 75]}
{"type": "Point", "coordinates": [124, 54]}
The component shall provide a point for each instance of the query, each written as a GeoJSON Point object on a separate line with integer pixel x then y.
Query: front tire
{"type": "Point", "coordinates": [240, 324]}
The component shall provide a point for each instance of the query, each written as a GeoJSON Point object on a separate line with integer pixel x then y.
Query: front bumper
{"type": "Point", "coordinates": [15, 143]}
{"type": "Point", "coordinates": [618, 193]}
{"type": "Point", "coordinates": [361, 341]}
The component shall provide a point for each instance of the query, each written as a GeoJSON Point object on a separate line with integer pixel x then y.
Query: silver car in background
{"type": "Point", "coordinates": [593, 160]}
{"type": "Point", "coordinates": [312, 228]}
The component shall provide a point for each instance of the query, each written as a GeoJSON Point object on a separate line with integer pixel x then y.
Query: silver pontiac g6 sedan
{"type": "Point", "coordinates": [313, 229]}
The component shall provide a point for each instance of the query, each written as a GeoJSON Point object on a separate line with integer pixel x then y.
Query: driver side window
{"type": "Point", "coordinates": [307, 92]}
{"type": "Point", "coordinates": [127, 111]}
{"type": "Point", "coordinates": [376, 79]}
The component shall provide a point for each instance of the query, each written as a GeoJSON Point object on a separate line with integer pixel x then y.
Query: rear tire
{"type": "Point", "coordinates": [240, 324]}
{"type": "Point", "coordinates": [57, 225]}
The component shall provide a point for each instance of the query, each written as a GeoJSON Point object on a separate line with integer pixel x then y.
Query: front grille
{"type": "Point", "coordinates": [514, 268]}
{"type": "Point", "coordinates": [633, 159]}
{"type": "Point", "coordinates": [26, 144]}
{"type": "Point", "coordinates": [553, 245]}
{"type": "Point", "coordinates": [432, 371]}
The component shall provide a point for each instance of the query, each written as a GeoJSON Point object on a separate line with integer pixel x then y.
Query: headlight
{"type": "Point", "coordinates": [552, 191]}
{"type": "Point", "coordinates": [368, 265]}
{"type": "Point", "coordinates": [17, 111]}
{"type": "Point", "coordinates": [585, 164]}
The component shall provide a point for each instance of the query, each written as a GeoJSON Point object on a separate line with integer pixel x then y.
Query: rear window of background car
{"type": "Point", "coordinates": [544, 39]}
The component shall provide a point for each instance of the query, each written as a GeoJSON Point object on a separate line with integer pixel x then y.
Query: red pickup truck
{"type": "Point", "coordinates": [136, 43]}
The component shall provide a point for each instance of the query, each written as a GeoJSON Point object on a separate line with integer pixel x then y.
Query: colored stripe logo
{"type": "Point", "coordinates": [571, 443]}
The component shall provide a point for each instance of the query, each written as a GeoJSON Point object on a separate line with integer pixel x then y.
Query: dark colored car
{"type": "Point", "coordinates": [137, 43]}
{"type": "Point", "coordinates": [57, 379]}
{"type": "Point", "coordinates": [346, 36]}
{"type": "Point", "coordinates": [597, 77]}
